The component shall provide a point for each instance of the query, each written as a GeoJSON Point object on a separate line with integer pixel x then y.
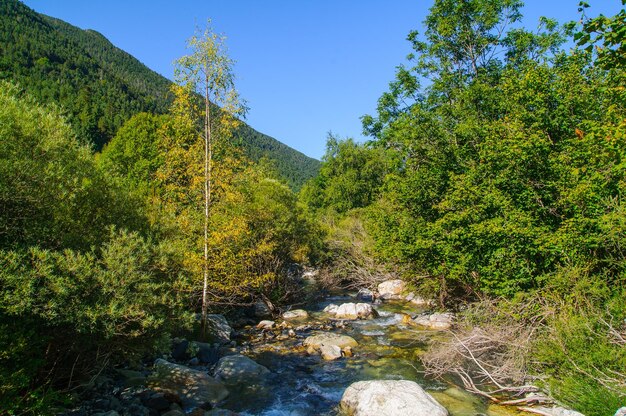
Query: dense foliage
{"type": "Point", "coordinates": [100, 255]}
{"type": "Point", "coordinates": [499, 170]}
{"type": "Point", "coordinates": [101, 86]}
{"type": "Point", "coordinates": [80, 280]}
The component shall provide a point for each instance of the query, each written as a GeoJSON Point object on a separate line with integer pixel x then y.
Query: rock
{"type": "Point", "coordinates": [420, 301]}
{"type": "Point", "coordinates": [261, 310]}
{"type": "Point", "coordinates": [235, 369]}
{"type": "Point", "coordinates": [417, 300]}
{"type": "Point", "coordinates": [389, 398]}
{"type": "Point", "coordinates": [100, 404]}
{"type": "Point", "coordinates": [219, 412]}
{"type": "Point", "coordinates": [331, 309]}
{"type": "Point", "coordinates": [194, 362]}
{"type": "Point", "coordinates": [347, 352]}
{"type": "Point", "coordinates": [265, 325]}
{"type": "Point", "coordinates": [207, 353]}
{"type": "Point", "coordinates": [109, 413]}
{"type": "Point", "coordinates": [218, 329]}
{"type": "Point", "coordinates": [558, 411]}
{"type": "Point", "coordinates": [136, 409]}
{"type": "Point", "coordinates": [174, 413]}
{"type": "Point", "coordinates": [330, 352]}
{"type": "Point", "coordinates": [621, 411]}
{"type": "Point", "coordinates": [194, 388]}
{"type": "Point", "coordinates": [115, 404]}
{"type": "Point", "coordinates": [131, 378]}
{"type": "Point", "coordinates": [179, 350]}
{"type": "Point", "coordinates": [315, 342]}
{"type": "Point", "coordinates": [391, 289]}
{"type": "Point", "coordinates": [436, 321]}
{"type": "Point", "coordinates": [351, 311]}
{"type": "Point", "coordinates": [365, 294]}
{"type": "Point", "coordinates": [407, 320]}
{"type": "Point", "coordinates": [310, 273]}
{"type": "Point", "coordinates": [157, 401]}
{"type": "Point", "coordinates": [296, 314]}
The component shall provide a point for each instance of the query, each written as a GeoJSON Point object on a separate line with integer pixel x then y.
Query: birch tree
{"type": "Point", "coordinates": [208, 71]}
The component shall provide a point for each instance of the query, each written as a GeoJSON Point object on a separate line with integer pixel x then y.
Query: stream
{"type": "Point", "coordinates": [302, 384]}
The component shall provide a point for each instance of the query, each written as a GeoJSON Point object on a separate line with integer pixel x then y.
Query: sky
{"type": "Point", "coordinates": [305, 67]}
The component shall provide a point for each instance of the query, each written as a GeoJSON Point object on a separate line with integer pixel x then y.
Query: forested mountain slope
{"type": "Point", "coordinates": [102, 86]}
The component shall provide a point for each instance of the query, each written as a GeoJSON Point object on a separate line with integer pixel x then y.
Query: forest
{"type": "Point", "coordinates": [491, 183]}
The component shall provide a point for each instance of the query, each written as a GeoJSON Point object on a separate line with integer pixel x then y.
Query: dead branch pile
{"type": "Point", "coordinates": [351, 265]}
{"type": "Point", "coordinates": [490, 360]}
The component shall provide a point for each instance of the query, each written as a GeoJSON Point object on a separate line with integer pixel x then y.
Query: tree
{"type": "Point", "coordinates": [209, 71]}
{"type": "Point", "coordinates": [133, 153]}
{"type": "Point", "coordinates": [608, 34]}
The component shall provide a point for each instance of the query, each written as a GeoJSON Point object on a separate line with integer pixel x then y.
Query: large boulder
{"type": "Point", "coordinates": [436, 321]}
{"type": "Point", "coordinates": [316, 341]}
{"type": "Point", "coordinates": [194, 388]}
{"type": "Point", "coordinates": [296, 314]}
{"type": "Point", "coordinates": [389, 398]}
{"type": "Point", "coordinates": [391, 289]}
{"type": "Point", "coordinates": [218, 329]}
{"type": "Point", "coordinates": [236, 369]}
{"type": "Point", "coordinates": [351, 311]}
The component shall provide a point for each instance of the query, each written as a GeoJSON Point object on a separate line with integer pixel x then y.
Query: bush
{"type": "Point", "coordinates": [70, 313]}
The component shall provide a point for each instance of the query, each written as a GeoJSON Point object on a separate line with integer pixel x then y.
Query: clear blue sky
{"type": "Point", "coordinates": [306, 67]}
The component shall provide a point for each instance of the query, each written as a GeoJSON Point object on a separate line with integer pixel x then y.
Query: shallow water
{"type": "Point", "coordinates": [306, 385]}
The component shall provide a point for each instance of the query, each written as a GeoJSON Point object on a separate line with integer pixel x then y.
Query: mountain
{"type": "Point", "coordinates": [100, 86]}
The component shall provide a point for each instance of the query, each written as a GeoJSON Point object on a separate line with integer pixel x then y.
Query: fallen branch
{"type": "Point", "coordinates": [535, 411]}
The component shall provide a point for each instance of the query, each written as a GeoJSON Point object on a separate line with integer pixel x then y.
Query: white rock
{"type": "Point", "coordinates": [621, 411]}
{"type": "Point", "coordinates": [558, 411]}
{"type": "Point", "coordinates": [389, 398]}
{"type": "Point", "coordinates": [352, 311]}
{"type": "Point", "coordinates": [417, 300]}
{"type": "Point", "coordinates": [316, 341]}
{"type": "Point", "coordinates": [331, 309]}
{"type": "Point", "coordinates": [296, 314]}
{"type": "Point", "coordinates": [265, 325]}
{"type": "Point", "coordinates": [436, 321]}
{"type": "Point", "coordinates": [420, 301]}
{"type": "Point", "coordinates": [330, 352]}
{"type": "Point", "coordinates": [310, 274]}
{"type": "Point", "coordinates": [391, 289]}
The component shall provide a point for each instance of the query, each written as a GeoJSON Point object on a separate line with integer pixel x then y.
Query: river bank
{"type": "Point", "coordinates": [280, 367]}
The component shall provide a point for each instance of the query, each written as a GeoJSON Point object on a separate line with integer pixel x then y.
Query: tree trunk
{"type": "Point", "coordinates": [208, 155]}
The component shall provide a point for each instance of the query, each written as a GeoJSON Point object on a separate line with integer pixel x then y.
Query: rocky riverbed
{"type": "Point", "coordinates": [345, 354]}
